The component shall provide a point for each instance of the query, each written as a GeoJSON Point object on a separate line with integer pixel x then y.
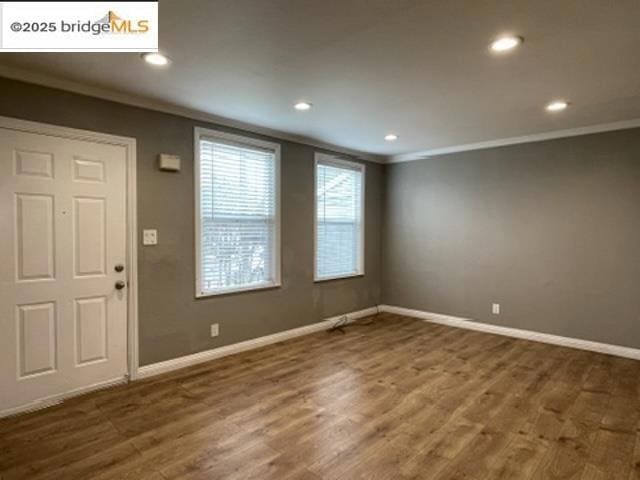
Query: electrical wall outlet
{"type": "Point", "coordinates": [215, 330]}
{"type": "Point", "coordinates": [495, 308]}
{"type": "Point", "coordinates": [150, 237]}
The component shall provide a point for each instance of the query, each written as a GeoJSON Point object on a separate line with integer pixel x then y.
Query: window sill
{"type": "Point", "coordinates": [230, 291]}
{"type": "Point", "coordinates": [338, 277]}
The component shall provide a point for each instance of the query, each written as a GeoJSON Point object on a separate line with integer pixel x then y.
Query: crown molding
{"type": "Point", "coordinates": [51, 81]}
{"type": "Point", "coordinates": [536, 137]}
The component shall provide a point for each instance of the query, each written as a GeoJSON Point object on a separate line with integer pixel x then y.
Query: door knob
{"type": "Point", "coordinates": [120, 285]}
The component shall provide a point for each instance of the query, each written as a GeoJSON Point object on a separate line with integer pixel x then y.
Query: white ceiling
{"type": "Point", "coordinates": [417, 68]}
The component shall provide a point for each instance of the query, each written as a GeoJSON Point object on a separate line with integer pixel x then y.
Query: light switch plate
{"type": "Point", "coordinates": [149, 237]}
{"type": "Point", "coordinates": [215, 330]}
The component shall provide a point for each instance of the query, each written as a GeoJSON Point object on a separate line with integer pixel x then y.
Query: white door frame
{"type": "Point", "coordinates": [132, 244]}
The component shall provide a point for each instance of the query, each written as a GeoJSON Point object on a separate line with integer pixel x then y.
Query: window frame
{"type": "Point", "coordinates": [242, 140]}
{"type": "Point", "coordinates": [339, 162]}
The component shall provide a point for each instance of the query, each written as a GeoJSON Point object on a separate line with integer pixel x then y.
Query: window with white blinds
{"type": "Point", "coordinates": [238, 228]}
{"type": "Point", "coordinates": [339, 218]}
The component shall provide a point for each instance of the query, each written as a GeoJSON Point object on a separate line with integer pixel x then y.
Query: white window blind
{"type": "Point", "coordinates": [238, 214]}
{"type": "Point", "coordinates": [339, 218]}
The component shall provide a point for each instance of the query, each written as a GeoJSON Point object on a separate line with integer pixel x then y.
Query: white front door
{"type": "Point", "coordinates": [63, 228]}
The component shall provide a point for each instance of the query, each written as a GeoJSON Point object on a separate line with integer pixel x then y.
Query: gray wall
{"type": "Point", "coordinates": [172, 322]}
{"type": "Point", "coordinates": [549, 230]}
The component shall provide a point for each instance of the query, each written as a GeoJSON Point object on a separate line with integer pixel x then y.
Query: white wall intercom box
{"type": "Point", "coordinates": [169, 163]}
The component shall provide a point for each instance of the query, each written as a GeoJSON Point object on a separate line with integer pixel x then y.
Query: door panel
{"type": "Point", "coordinates": [89, 236]}
{"type": "Point", "coordinates": [63, 325]}
{"type": "Point", "coordinates": [36, 164]}
{"type": "Point", "coordinates": [37, 338]}
{"type": "Point", "coordinates": [91, 329]}
{"type": "Point", "coordinates": [86, 170]}
{"type": "Point", "coordinates": [34, 236]}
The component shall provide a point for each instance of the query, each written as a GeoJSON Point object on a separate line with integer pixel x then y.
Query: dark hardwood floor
{"type": "Point", "coordinates": [397, 399]}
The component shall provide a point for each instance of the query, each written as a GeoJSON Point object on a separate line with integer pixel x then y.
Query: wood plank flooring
{"type": "Point", "coordinates": [396, 399]}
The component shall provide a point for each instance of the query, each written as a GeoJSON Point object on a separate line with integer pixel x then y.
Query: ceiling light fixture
{"type": "Point", "coordinates": [557, 106]}
{"type": "Point", "coordinates": [156, 59]}
{"type": "Point", "coordinates": [392, 137]}
{"type": "Point", "coordinates": [505, 43]}
{"type": "Point", "coordinates": [302, 106]}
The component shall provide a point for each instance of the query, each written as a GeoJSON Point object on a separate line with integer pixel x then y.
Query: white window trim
{"type": "Point", "coordinates": [326, 158]}
{"type": "Point", "coordinates": [199, 133]}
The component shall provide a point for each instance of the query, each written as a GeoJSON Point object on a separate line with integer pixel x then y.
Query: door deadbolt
{"type": "Point", "coordinates": [119, 268]}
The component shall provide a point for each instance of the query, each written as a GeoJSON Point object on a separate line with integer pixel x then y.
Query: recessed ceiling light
{"type": "Point", "coordinates": [557, 106]}
{"type": "Point", "coordinates": [302, 106]}
{"type": "Point", "coordinates": [156, 59]}
{"type": "Point", "coordinates": [392, 137]}
{"type": "Point", "coordinates": [506, 43]}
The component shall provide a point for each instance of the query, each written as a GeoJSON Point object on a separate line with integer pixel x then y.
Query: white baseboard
{"type": "Point", "coordinates": [56, 399]}
{"type": "Point", "coordinates": [468, 324]}
{"type": "Point", "coordinates": [200, 357]}
{"type": "Point", "coordinates": [186, 361]}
